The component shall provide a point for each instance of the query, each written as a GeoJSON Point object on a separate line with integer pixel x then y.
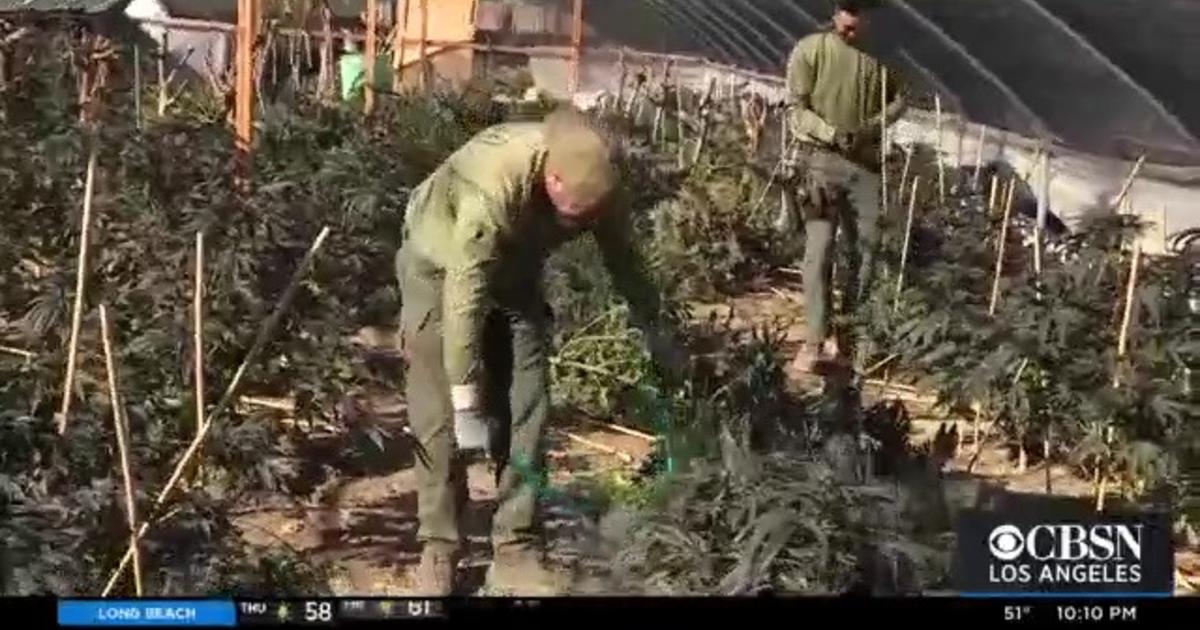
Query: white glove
{"type": "Point", "coordinates": [470, 424]}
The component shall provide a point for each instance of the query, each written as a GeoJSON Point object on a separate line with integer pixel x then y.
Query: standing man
{"type": "Point", "coordinates": [475, 325]}
{"type": "Point", "coordinates": [835, 90]}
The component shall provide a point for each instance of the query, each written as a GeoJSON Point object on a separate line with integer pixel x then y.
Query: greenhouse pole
{"type": "Point", "coordinates": [372, 43]}
{"type": "Point", "coordinates": [244, 90]}
{"type": "Point", "coordinates": [423, 50]}
{"type": "Point", "coordinates": [576, 43]}
{"type": "Point", "coordinates": [398, 37]}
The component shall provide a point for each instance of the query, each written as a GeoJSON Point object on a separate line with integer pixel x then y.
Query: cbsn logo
{"type": "Point", "coordinates": [1066, 554]}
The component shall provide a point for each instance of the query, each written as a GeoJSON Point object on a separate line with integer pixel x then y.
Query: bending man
{"type": "Point", "coordinates": [475, 325]}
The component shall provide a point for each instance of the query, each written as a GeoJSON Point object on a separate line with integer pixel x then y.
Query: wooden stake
{"type": "Point", "coordinates": [680, 139]}
{"type": "Point", "coordinates": [912, 204]}
{"type": "Point", "coordinates": [121, 427]}
{"type": "Point", "coordinates": [137, 86]}
{"type": "Point", "coordinates": [941, 163]}
{"type": "Point", "coordinates": [992, 196]}
{"type": "Point", "coordinates": [1046, 462]}
{"type": "Point", "coordinates": [1043, 206]}
{"type": "Point", "coordinates": [622, 75]}
{"type": "Point", "coordinates": [198, 330]}
{"type": "Point", "coordinates": [1125, 187]}
{"type": "Point", "coordinates": [705, 105]}
{"type": "Point", "coordinates": [1162, 227]}
{"type": "Point", "coordinates": [979, 158]}
{"type": "Point", "coordinates": [89, 191]}
{"type": "Point", "coordinates": [260, 340]}
{"type": "Point", "coordinates": [1000, 247]}
{"type": "Point", "coordinates": [1130, 295]}
{"type": "Point", "coordinates": [372, 46]}
{"type": "Point", "coordinates": [908, 155]}
{"type": "Point", "coordinates": [1100, 476]}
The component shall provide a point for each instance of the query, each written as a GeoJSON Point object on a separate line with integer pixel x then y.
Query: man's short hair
{"type": "Point", "coordinates": [856, 6]}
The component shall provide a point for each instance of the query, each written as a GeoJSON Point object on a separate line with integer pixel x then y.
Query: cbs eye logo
{"type": "Point", "coordinates": [1006, 543]}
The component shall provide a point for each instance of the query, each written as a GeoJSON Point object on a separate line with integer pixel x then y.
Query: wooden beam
{"type": "Point", "coordinates": [372, 44]}
{"type": "Point", "coordinates": [576, 44]}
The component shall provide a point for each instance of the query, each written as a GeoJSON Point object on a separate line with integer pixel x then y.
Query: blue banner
{"type": "Point", "coordinates": [146, 612]}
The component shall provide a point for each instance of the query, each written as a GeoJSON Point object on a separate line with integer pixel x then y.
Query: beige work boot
{"type": "Point", "coordinates": [435, 573]}
{"type": "Point", "coordinates": [519, 570]}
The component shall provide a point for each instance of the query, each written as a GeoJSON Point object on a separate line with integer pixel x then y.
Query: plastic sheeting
{"type": "Point", "coordinates": [1113, 77]}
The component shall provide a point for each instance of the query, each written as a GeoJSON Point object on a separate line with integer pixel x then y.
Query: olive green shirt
{"type": "Point", "coordinates": [484, 222]}
{"type": "Point", "coordinates": [835, 87]}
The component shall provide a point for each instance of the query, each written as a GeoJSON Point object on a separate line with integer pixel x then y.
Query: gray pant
{"type": "Point", "coordinates": [836, 192]}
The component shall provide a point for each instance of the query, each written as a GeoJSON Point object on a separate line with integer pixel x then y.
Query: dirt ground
{"type": "Point", "coordinates": [365, 527]}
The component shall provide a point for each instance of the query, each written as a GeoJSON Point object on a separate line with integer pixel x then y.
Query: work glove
{"type": "Point", "coordinates": [845, 141]}
{"type": "Point", "coordinates": [470, 423]}
{"type": "Point", "coordinates": [670, 356]}
{"type": "Point", "coordinates": [470, 430]}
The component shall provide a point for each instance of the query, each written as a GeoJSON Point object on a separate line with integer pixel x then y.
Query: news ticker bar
{"type": "Point", "coordinates": [341, 612]}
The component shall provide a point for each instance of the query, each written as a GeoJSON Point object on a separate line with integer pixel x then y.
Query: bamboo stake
{"type": "Point", "coordinates": [24, 354]}
{"type": "Point", "coordinates": [137, 86]}
{"type": "Point", "coordinates": [883, 141]}
{"type": "Point", "coordinates": [260, 341]}
{"type": "Point", "coordinates": [1008, 201]}
{"type": "Point", "coordinates": [705, 105]}
{"type": "Point", "coordinates": [1043, 206]}
{"type": "Point", "coordinates": [89, 192]}
{"type": "Point", "coordinates": [941, 163]}
{"type": "Point", "coordinates": [1162, 227]}
{"type": "Point", "coordinates": [198, 330]}
{"type": "Point", "coordinates": [908, 155]}
{"type": "Point", "coordinates": [121, 426]}
{"type": "Point", "coordinates": [372, 45]}
{"type": "Point", "coordinates": [680, 140]}
{"type": "Point", "coordinates": [912, 203]}
{"type": "Point", "coordinates": [622, 74]}
{"type": "Point", "coordinates": [1102, 471]}
{"type": "Point", "coordinates": [979, 157]}
{"type": "Point", "coordinates": [1046, 461]}
{"type": "Point", "coordinates": [992, 196]}
{"type": "Point", "coordinates": [1130, 295]}
{"type": "Point", "coordinates": [1128, 184]}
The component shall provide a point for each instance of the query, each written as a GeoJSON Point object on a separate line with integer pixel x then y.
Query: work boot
{"type": "Point", "coordinates": [518, 569]}
{"type": "Point", "coordinates": [435, 574]}
{"type": "Point", "coordinates": [815, 360]}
